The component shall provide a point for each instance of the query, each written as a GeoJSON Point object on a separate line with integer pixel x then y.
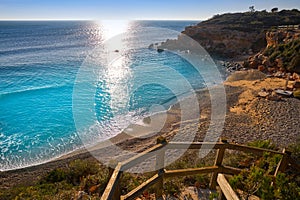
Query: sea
{"type": "Point", "coordinates": [42, 64]}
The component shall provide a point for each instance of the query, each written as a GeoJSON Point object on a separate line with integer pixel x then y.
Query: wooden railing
{"type": "Point", "coordinates": [113, 191]}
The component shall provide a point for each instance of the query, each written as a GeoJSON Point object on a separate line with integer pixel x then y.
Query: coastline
{"type": "Point", "coordinates": [248, 118]}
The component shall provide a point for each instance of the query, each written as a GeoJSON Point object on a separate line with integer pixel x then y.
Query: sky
{"type": "Point", "coordinates": [131, 9]}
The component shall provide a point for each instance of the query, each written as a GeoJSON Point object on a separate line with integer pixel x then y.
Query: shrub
{"type": "Point", "coordinates": [258, 181]}
{"type": "Point", "coordinates": [265, 144]}
{"type": "Point", "coordinates": [79, 169]}
{"type": "Point", "coordinates": [57, 175]}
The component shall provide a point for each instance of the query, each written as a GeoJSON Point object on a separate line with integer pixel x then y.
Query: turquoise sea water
{"type": "Point", "coordinates": [39, 62]}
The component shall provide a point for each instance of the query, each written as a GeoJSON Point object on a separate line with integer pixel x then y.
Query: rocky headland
{"type": "Point", "coordinates": [233, 35]}
{"type": "Point", "coordinates": [261, 40]}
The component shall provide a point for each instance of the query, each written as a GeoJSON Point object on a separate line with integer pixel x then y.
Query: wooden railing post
{"type": "Point", "coordinates": [226, 188]}
{"type": "Point", "coordinates": [218, 163]}
{"type": "Point", "coordinates": [281, 167]}
{"type": "Point", "coordinates": [160, 164]}
{"type": "Point", "coordinates": [113, 190]}
{"type": "Point", "coordinates": [117, 190]}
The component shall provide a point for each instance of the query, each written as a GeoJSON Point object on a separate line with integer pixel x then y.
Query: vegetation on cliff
{"type": "Point", "coordinates": [254, 21]}
{"type": "Point", "coordinates": [288, 53]}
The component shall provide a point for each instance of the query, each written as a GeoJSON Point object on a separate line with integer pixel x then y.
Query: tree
{"type": "Point", "coordinates": [274, 10]}
{"type": "Point", "coordinates": [251, 8]}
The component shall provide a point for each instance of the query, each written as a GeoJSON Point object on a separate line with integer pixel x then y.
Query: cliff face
{"type": "Point", "coordinates": [219, 41]}
{"type": "Point", "coordinates": [284, 36]}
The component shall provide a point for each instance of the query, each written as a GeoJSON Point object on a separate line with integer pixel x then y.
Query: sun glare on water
{"type": "Point", "coordinates": [112, 28]}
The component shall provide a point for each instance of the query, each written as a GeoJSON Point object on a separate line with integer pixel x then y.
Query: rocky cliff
{"type": "Point", "coordinates": [282, 52]}
{"type": "Point", "coordinates": [222, 42]}
{"type": "Point", "coordinates": [235, 34]}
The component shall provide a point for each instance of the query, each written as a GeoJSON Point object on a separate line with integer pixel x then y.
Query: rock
{"type": "Point", "coordinates": [261, 68]}
{"type": "Point", "coordinates": [246, 64]}
{"type": "Point", "coordinates": [274, 97]}
{"type": "Point", "coordinates": [283, 93]}
{"type": "Point", "coordinates": [81, 195]}
{"type": "Point", "coordinates": [296, 85]}
{"type": "Point", "coordinates": [263, 94]}
{"type": "Point", "coordinates": [254, 64]}
{"type": "Point", "coordinates": [296, 76]}
{"type": "Point", "coordinates": [160, 50]}
{"type": "Point", "coordinates": [260, 57]}
{"type": "Point", "coordinates": [151, 46]}
{"type": "Point", "coordinates": [279, 74]}
{"type": "Point", "coordinates": [279, 63]}
{"type": "Point", "coordinates": [271, 69]}
{"type": "Point", "coordinates": [94, 188]}
{"type": "Point", "coordinates": [266, 62]}
{"type": "Point", "coordinates": [297, 93]}
{"type": "Point", "coordinates": [250, 75]}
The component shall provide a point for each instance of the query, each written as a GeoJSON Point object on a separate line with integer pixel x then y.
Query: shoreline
{"type": "Point", "coordinates": [115, 138]}
{"type": "Point", "coordinates": [248, 118]}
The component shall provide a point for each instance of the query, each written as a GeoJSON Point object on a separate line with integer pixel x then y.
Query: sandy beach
{"type": "Point", "coordinates": [248, 118]}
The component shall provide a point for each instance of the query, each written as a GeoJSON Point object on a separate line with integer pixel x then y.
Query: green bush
{"type": "Point", "coordinates": [62, 183]}
{"type": "Point", "coordinates": [56, 175]}
{"type": "Point", "coordinates": [173, 186]}
{"type": "Point", "coordinates": [79, 169]}
{"type": "Point", "coordinates": [295, 149]}
{"type": "Point", "coordinates": [258, 181]}
{"type": "Point", "coordinates": [265, 144]}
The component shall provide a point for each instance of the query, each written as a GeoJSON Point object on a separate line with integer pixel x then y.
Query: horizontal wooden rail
{"type": "Point", "coordinates": [229, 170]}
{"type": "Point", "coordinates": [194, 145]}
{"type": "Point", "coordinates": [249, 149]}
{"type": "Point", "coordinates": [219, 145]}
{"type": "Point", "coordinates": [191, 171]}
{"type": "Point", "coordinates": [142, 156]}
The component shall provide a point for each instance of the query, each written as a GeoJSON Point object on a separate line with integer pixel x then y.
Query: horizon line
{"type": "Point", "coordinates": [155, 19]}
